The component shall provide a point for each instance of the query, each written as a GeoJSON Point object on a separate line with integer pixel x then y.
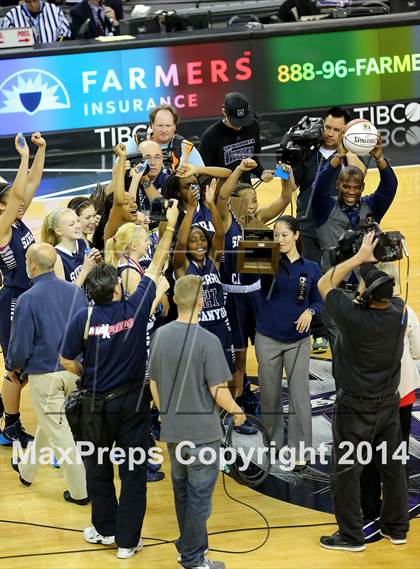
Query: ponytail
{"type": "Point", "coordinates": [48, 234]}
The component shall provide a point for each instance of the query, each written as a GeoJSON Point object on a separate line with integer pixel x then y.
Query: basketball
{"type": "Point", "coordinates": [360, 136]}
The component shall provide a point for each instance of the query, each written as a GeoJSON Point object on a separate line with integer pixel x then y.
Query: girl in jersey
{"type": "Point", "coordinates": [196, 254]}
{"type": "Point", "coordinates": [15, 238]}
{"type": "Point", "coordinates": [86, 213]}
{"type": "Point", "coordinates": [243, 290]}
{"type": "Point", "coordinates": [120, 207]}
{"type": "Point", "coordinates": [61, 229]}
{"type": "Point", "coordinates": [179, 185]}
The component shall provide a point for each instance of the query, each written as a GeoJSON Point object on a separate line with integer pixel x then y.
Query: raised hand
{"type": "Point", "coordinates": [172, 213]}
{"type": "Point", "coordinates": [185, 170]}
{"type": "Point", "coordinates": [120, 151]}
{"type": "Point", "coordinates": [247, 164]}
{"type": "Point", "coordinates": [211, 191]}
{"type": "Point", "coordinates": [38, 140]}
{"type": "Point", "coordinates": [365, 253]}
{"type": "Point", "coordinates": [20, 145]}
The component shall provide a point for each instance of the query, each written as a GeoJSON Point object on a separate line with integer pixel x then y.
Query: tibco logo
{"type": "Point", "coordinates": [381, 115]}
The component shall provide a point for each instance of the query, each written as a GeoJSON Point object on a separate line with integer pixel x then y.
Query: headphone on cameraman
{"type": "Point", "coordinates": [366, 298]}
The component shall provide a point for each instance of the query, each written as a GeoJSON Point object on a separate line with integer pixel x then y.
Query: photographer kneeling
{"type": "Point", "coordinates": [366, 425]}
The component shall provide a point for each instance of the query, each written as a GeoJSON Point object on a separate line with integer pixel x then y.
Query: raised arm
{"type": "Point", "coordinates": [37, 168]}
{"type": "Point", "coordinates": [335, 275]}
{"type": "Point", "coordinates": [218, 241]}
{"type": "Point", "coordinates": [17, 191]}
{"type": "Point", "coordinates": [381, 199]}
{"type": "Point", "coordinates": [179, 258]}
{"type": "Point", "coordinates": [276, 208]}
{"type": "Point", "coordinates": [228, 188]}
{"type": "Point", "coordinates": [185, 170]}
{"type": "Point", "coordinates": [118, 174]}
{"type": "Point", "coordinates": [160, 256]}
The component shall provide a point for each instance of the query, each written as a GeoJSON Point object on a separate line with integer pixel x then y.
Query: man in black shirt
{"type": "Point", "coordinates": [305, 173]}
{"type": "Point", "coordinates": [235, 137]}
{"type": "Point", "coordinates": [366, 367]}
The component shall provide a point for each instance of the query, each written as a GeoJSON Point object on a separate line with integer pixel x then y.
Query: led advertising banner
{"type": "Point", "coordinates": [105, 88]}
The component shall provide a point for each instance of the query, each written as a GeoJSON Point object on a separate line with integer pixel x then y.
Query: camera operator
{"type": "Point", "coordinates": [234, 138]}
{"type": "Point", "coordinates": [366, 367]}
{"type": "Point", "coordinates": [114, 366]}
{"type": "Point", "coordinates": [334, 215]}
{"type": "Point", "coordinates": [164, 120]}
{"type": "Point", "coordinates": [148, 178]}
{"type": "Point", "coordinates": [305, 172]}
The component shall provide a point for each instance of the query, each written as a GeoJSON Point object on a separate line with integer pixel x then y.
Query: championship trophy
{"type": "Point", "coordinates": [258, 253]}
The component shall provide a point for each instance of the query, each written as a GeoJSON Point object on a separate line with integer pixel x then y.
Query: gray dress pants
{"type": "Point", "coordinates": [272, 356]}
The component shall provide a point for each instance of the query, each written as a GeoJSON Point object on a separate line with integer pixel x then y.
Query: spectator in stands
{"type": "Point", "coordinates": [47, 21]}
{"type": "Point", "coordinates": [91, 18]}
{"type": "Point", "coordinates": [235, 137]}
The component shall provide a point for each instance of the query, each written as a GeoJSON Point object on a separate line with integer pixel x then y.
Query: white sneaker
{"type": "Point", "coordinates": [126, 553]}
{"type": "Point", "coordinates": [394, 540]}
{"type": "Point", "coordinates": [92, 536]}
{"type": "Point", "coordinates": [179, 556]}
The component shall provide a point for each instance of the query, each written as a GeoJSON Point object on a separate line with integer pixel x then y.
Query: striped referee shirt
{"type": "Point", "coordinates": [48, 26]}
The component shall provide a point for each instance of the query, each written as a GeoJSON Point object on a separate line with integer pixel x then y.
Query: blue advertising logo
{"type": "Point", "coordinates": [32, 90]}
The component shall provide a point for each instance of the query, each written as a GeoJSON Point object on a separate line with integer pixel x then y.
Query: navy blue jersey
{"type": "Point", "coordinates": [72, 262]}
{"type": "Point", "coordinates": [115, 352]}
{"type": "Point", "coordinates": [124, 264]}
{"type": "Point", "coordinates": [213, 310]}
{"type": "Point", "coordinates": [228, 271]}
{"type": "Point", "coordinates": [202, 217]}
{"type": "Point", "coordinates": [13, 257]}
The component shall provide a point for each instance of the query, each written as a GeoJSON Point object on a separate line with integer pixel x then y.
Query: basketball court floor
{"type": "Point", "coordinates": [39, 530]}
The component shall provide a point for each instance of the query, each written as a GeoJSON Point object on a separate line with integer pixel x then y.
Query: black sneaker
{"type": "Point", "coordinates": [68, 498]}
{"type": "Point", "coordinates": [15, 466]}
{"type": "Point", "coordinates": [15, 432]}
{"type": "Point", "coordinates": [246, 428]}
{"type": "Point", "coordinates": [335, 541]}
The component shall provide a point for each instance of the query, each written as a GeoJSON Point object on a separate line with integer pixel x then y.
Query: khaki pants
{"type": "Point", "coordinates": [47, 394]}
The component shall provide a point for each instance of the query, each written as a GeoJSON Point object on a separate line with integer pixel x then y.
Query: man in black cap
{"type": "Point", "coordinates": [366, 425]}
{"type": "Point", "coordinates": [235, 137]}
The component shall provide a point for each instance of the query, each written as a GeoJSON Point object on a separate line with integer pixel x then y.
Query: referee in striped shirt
{"type": "Point", "coordinates": [48, 21]}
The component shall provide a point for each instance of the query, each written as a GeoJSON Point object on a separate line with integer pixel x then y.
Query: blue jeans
{"type": "Point", "coordinates": [193, 486]}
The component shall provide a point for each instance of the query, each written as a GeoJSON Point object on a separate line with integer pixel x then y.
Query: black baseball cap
{"type": "Point", "coordinates": [370, 274]}
{"type": "Point", "coordinates": [237, 109]}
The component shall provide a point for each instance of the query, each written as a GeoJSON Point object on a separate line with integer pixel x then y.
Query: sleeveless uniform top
{"type": "Point", "coordinates": [126, 263]}
{"type": "Point", "coordinates": [228, 272]}
{"type": "Point", "coordinates": [213, 311]}
{"type": "Point", "coordinates": [202, 217]}
{"type": "Point", "coordinates": [13, 257]}
{"type": "Point", "coordinates": [72, 262]}
{"type": "Point", "coordinates": [154, 240]}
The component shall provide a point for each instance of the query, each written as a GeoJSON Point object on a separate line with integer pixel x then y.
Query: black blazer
{"type": "Point", "coordinates": [83, 12]}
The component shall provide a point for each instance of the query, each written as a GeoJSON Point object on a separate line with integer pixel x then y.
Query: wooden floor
{"type": "Point", "coordinates": [291, 546]}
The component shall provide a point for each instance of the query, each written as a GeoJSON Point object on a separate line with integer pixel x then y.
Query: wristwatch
{"type": "Point", "coordinates": [146, 184]}
{"type": "Point", "coordinates": [312, 311]}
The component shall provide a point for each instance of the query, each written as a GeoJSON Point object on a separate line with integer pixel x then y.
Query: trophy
{"type": "Point", "coordinates": [258, 253]}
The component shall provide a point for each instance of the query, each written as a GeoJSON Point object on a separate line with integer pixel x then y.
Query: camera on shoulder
{"type": "Point", "coordinates": [389, 247]}
{"type": "Point", "coordinates": [300, 140]}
